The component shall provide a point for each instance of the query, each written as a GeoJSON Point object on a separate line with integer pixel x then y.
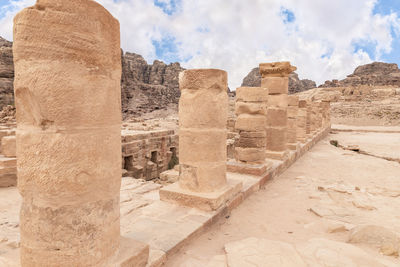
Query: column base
{"type": "Point", "coordinates": [132, 253]}
{"type": "Point", "coordinates": [279, 155]}
{"type": "Point", "coordinates": [293, 146]}
{"type": "Point", "coordinates": [203, 201]}
{"type": "Point", "coordinates": [251, 169]}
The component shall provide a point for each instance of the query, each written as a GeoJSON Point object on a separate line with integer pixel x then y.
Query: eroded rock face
{"type": "Point", "coordinates": [6, 73]}
{"type": "Point", "coordinates": [374, 74]}
{"type": "Point", "coordinates": [146, 88]}
{"type": "Point", "coordinates": [253, 79]}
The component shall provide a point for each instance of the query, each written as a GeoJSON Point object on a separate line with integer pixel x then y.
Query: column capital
{"type": "Point", "coordinates": [276, 69]}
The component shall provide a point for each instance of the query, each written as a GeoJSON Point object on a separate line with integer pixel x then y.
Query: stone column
{"type": "Point", "coordinates": [203, 114]}
{"type": "Point", "coordinates": [250, 147]}
{"type": "Point", "coordinates": [320, 115]}
{"type": "Point", "coordinates": [67, 90]}
{"type": "Point", "coordinates": [326, 106]}
{"type": "Point", "coordinates": [292, 113]}
{"type": "Point", "coordinates": [250, 123]}
{"type": "Point", "coordinates": [302, 122]}
{"type": "Point", "coordinates": [313, 118]}
{"type": "Point", "coordinates": [309, 118]}
{"type": "Point", "coordinates": [275, 77]}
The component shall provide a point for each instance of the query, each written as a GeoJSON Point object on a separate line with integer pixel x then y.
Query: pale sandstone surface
{"type": "Point", "coordinates": [203, 112]}
{"type": "Point", "coordinates": [67, 94]}
{"type": "Point", "coordinates": [341, 186]}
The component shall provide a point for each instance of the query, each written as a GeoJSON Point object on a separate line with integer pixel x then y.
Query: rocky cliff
{"type": "Point", "coordinates": [253, 79]}
{"type": "Point", "coordinates": [144, 87]}
{"type": "Point", "coordinates": [374, 74]}
{"type": "Point", "coordinates": [6, 73]}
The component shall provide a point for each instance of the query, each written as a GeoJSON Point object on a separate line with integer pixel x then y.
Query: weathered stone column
{"type": "Point", "coordinates": [67, 90]}
{"type": "Point", "coordinates": [251, 123]}
{"type": "Point", "coordinates": [309, 118]}
{"type": "Point", "coordinates": [275, 77]}
{"type": "Point", "coordinates": [320, 115]}
{"type": "Point", "coordinates": [326, 107]}
{"type": "Point", "coordinates": [292, 113]}
{"type": "Point", "coordinates": [250, 147]}
{"type": "Point", "coordinates": [313, 118]}
{"type": "Point", "coordinates": [302, 122]}
{"type": "Point", "coordinates": [203, 114]}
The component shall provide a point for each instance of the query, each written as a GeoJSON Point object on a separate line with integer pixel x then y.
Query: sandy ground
{"type": "Point", "coordinates": [382, 112]}
{"type": "Point", "coordinates": [328, 179]}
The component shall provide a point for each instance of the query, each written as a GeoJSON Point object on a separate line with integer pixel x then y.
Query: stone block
{"type": "Point", "coordinates": [276, 139]}
{"type": "Point", "coordinates": [132, 253]}
{"type": "Point", "coordinates": [292, 112]}
{"type": "Point", "coordinates": [276, 85]}
{"type": "Point", "coordinates": [8, 146]}
{"type": "Point", "coordinates": [197, 145]}
{"type": "Point", "coordinates": [302, 103]}
{"type": "Point", "coordinates": [250, 108]}
{"type": "Point", "coordinates": [255, 155]}
{"type": "Point", "coordinates": [170, 176]}
{"type": "Point", "coordinates": [293, 100]}
{"type": "Point", "coordinates": [251, 169]}
{"type": "Point", "coordinates": [203, 201]}
{"type": "Point", "coordinates": [7, 162]}
{"type": "Point", "coordinates": [278, 101]}
{"type": "Point", "coordinates": [252, 94]}
{"type": "Point", "coordinates": [277, 117]}
{"type": "Point", "coordinates": [8, 179]}
{"type": "Point", "coordinates": [202, 176]}
{"type": "Point", "coordinates": [250, 123]}
{"type": "Point", "coordinates": [278, 155]}
{"type": "Point", "coordinates": [255, 142]}
{"type": "Point", "coordinates": [276, 69]}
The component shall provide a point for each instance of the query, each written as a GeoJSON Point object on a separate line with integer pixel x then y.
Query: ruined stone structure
{"type": "Point", "coordinates": [203, 113]}
{"type": "Point", "coordinates": [301, 133]}
{"type": "Point", "coordinates": [8, 161]}
{"type": "Point", "coordinates": [275, 79]}
{"type": "Point", "coordinates": [296, 85]}
{"type": "Point", "coordinates": [292, 113]}
{"type": "Point", "coordinates": [250, 144]}
{"type": "Point", "coordinates": [251, 123]}
{"type": "Point", "coordinates": [146, 154]}
{"type": "Point", "coordinates": [68, 99]}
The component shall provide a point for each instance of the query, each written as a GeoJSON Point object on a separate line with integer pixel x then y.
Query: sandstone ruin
{"type": "Point", "coordinates": [262, 177]}
{"type": "Point", "coordinates": [67, 131]}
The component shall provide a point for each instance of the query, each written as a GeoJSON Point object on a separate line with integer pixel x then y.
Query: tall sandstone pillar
{"type": "Point", "coordinates": [292, 112]}
{"type": "Point", "coordinates": [203, 114]}
{"type": "Point", "coordinates": [67, 91]}
{"type": "Point", "coordinates": [275, 77]}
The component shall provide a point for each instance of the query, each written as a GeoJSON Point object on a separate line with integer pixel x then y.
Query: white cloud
{"type": "Point", "coordinates": [237, 35]}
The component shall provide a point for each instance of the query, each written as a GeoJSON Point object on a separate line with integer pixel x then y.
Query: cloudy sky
{"type": "Point", "coordinates": [325, 39]}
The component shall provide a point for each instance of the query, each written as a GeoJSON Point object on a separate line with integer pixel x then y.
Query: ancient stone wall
{"type": "Point", "coordinates": [147, 154]}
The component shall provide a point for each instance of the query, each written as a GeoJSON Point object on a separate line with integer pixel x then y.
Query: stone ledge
{"type": "Point", "coordinates": [278, 155]}
{"type": "Point", "coordinates": [203, 201]}
{"type": "Point", "coordinates": [132, 253]}
{"type": "Point", "coordinates": [252, 169]}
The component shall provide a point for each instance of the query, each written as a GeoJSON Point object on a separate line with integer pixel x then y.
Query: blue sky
{"type": "Point", "coordinates": [325, 39]}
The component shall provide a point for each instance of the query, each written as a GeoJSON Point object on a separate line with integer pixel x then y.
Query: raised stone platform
{"type": "Point", "coordinates": [252, 169]}
{"type": "Point", "coordinates": [204, 201]}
